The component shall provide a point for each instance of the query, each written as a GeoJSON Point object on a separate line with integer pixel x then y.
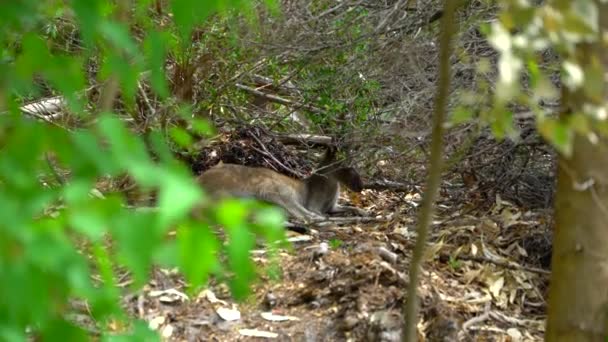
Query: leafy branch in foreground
{"type": "Point", "coordinates": [54, 238]}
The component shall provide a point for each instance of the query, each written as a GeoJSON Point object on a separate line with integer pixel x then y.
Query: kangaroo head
{"type": "Point", "coordinates": [349, 177]}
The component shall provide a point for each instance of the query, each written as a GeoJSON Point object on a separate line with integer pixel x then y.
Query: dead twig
{"type": "Point", "coordinates": [385, 184]}
{"type": "Point", "coordinates": [292, 139]}
{"type": "Point", "coordinates": [348, 220]}
{"type": "Point", "coordinates": [279, 100]}
{"type": "Point", "coordinates": [505, 264]}
{"type": "Point", "coordinates": [269, 155]}
{"type": "Point", "coordinates": [477, 319]}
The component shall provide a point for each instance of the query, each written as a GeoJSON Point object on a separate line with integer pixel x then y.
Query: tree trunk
{"type": "Point", "coordinates": [578, 296]}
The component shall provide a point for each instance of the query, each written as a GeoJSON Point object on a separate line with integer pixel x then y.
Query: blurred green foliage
{"type": "Point", "coordinates": [53, 234]}
{"type": "Point", "coordinates": [526, 37]}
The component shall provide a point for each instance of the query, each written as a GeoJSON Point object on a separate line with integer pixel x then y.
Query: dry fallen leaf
{"type": "Point", "coordinates": [228, 314]}
{"type": "Point", "coordinates": [258, 333]}
{"type": "Point", "coordinates": [510, 217]}
{"type": "Point", "coordinates": [496, 285]}
{"type": "Point", "coordinates": [432, 250]}
{"type": "Point", "coordinates": [300, 238]}
{"type": "Point", "coordinates": [169, 296]}
{"type": "Point", "coordinates": [269, 316]}
{"type": "Point", "coordinates": [156, 322]}
{"type": "Point", "coordinates": [473, 249]}
{"type": "Point", "coordinates": [167, 331]}
{"type": "Point", "coordinates": [514, 334]}
{"type": "Point", "coordinates": [211, 297]}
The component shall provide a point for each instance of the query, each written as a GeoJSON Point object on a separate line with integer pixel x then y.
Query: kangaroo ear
{"type": "Point", "coordinates": [330, 155]}
{"type": "Point", "coordinates": [350, 178]}
{"type": "Point", "coordinates": [329, 163]}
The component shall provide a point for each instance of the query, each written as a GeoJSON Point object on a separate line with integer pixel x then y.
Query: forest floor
{"type": "Point", "coordinates": [484, 278]}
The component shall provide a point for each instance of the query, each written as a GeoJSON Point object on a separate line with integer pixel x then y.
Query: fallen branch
{"type": "Point", "coordinates": [284, 86]}
{"type": "Point", "coordinates": [279, 100]}
{"type": "Point", "coordinates": [348, 220]}
{"type": "Point", "coordinates": [385, 184]}
{"type": "Point", "coordinates": [269, 155]}
{"type": "Point", "coordinates": [477, 319]}
{"type": "Point", "coordinates": [305, 139]}
{"type": "Point", "coordinates": [387, 255]}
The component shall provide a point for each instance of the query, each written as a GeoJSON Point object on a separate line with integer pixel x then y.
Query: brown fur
{"type": "Point", "coordinates": [307, 199]}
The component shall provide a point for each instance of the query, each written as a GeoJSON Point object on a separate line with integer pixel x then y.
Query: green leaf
{"type": "Point", "coordinates": [187, 13]}
{"type": "Point", "coordinates": [502, 123]}
{"type": "Point", "coordinates": [128, 74]}
{"type": "Point", "coordinates": [66, 74]}
{"type": "Point", "coordinates": [50, 250]}
{"type": "Point", "coordinates": [202, 127]}
{"type": "Point", "coordinates": [534, 72]}
{"type": "Point", "coordinates": [241, 244]}
{"type": "Point", "coordinates": [270, 221]}
{"type": "Point", "coordinates": [33, 58]}
{"type": "Point", "coordinates": [461, 115]}
{"type": "Point", "coordinates": [557, 134]}
{"type": "Point", "coordinates": [142, 14]}
{"type": "Point", "coordinates": [198, 248]}
{"type": "Point", "coordinates": [231, 212]}
{"type": "Point", "coordinates": [118, 35]}
{"type": "Point", "coordinates": [104, 303]}
{"type": "Point", "coordinates": [181, 136]}
{"type": "Point", "coordinates": [159, 146]}
{"type": "Point", "coordinates": [91, 215]}
{"type": "Point", "coordinates": [11, 222]}
{"type": "Point", "coordinates": [19, 294]}
{"type": "Point", "coordinates": [79, 278]}
{"type": "Point", "coordinates": [273, 6]}
{"type": "Point", "coordinates": [89, 15]}
{"type": "Point", "coordinates": [177, 195]}
{"type": "Point", "coordinates": [335, 243]}
{"type": "Point", "coordinates": [138, 237]}
{"type": "Point", "coordinates": [12, 333]}
{"type": "Point", "coordinates": [155, 47]}
{"type": "Point", "coordinates": [90, 222]}
{"type": "Point", "coordinates": [107, 299]}
{"type": "Point", "coordinates": [167, 255]}
{"type": "Point", "coordinates": [185, 112]}
{"type": "Point", "coordinates": [77, 191]}
{"type": "Point", "coordinates": [88, 147]}
{"type": "Point", "coordinates": [59, 329]}
{"type": "Point", "coordinates": [126, 150]}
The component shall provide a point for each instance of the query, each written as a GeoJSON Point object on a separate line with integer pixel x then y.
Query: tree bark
{"type": "Point", "coordinates": [578, 294]}
{"type": "Point", "coordinates": [578, 297]}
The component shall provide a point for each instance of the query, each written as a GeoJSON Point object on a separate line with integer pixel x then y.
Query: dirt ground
{"type": "Point", "coordinates": [484, 279]}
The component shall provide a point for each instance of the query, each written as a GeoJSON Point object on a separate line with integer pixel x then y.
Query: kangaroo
{"type": "Point", "coordinates": [308, 199]}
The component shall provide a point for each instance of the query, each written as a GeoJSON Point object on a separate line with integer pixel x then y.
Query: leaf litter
{"type": "Point", "coordinates": [481, 281]}
{"type": "Point", "coordinates": [484, 276]}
